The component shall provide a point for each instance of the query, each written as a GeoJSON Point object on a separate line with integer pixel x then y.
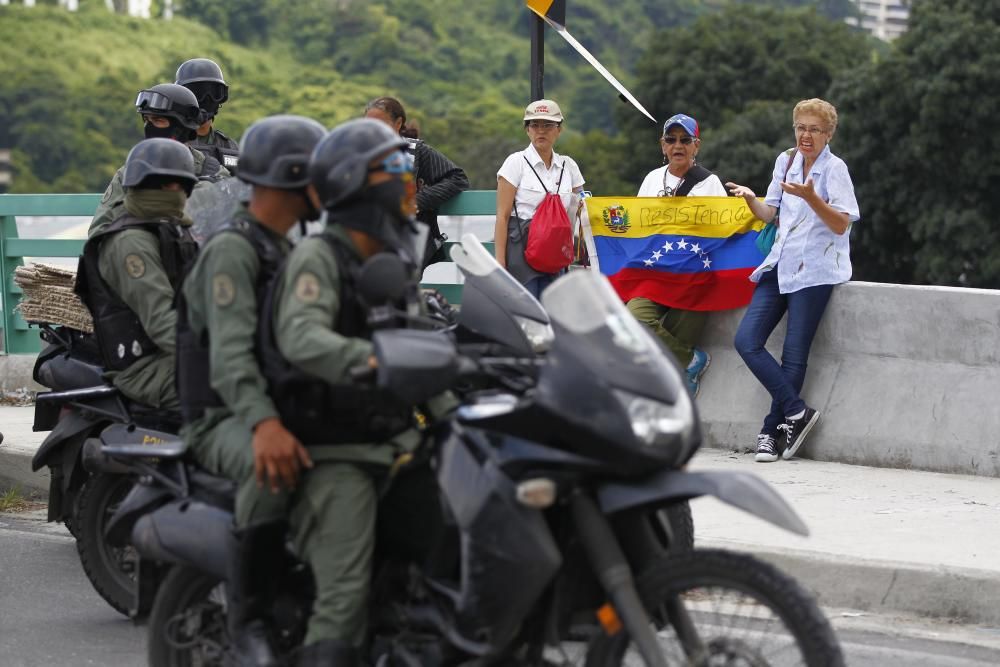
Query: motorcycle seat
{"type": "Point", "coordinates": [63, 372]}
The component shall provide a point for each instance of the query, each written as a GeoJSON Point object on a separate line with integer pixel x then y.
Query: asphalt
{"type": "Point", "coordinates": [882, 540]}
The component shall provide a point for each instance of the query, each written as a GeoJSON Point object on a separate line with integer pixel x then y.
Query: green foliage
{"type": "Point", "coordinates": [920, 136]}
{"type": "Point", "coordinates": [720, 70]}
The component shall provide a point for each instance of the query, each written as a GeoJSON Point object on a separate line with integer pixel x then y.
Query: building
{"type": "Point", "coordinates": [886, 19]}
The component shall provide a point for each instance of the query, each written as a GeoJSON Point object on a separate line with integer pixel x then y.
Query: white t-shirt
{"type": "Point", "coordinates": [530, 193]}
{"type": "Point", "coordinates": [653, 185]}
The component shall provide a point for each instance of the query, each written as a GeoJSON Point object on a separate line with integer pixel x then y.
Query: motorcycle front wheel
{"type": "Point", "coordinates": [187, 625]}
{"type": "Point", "coordinates": [718, 608]}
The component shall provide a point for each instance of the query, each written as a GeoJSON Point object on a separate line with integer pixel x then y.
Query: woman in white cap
{"type": "Point", "coordinates": [520, 192]}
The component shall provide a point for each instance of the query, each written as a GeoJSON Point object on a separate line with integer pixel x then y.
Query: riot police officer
{"type": "Point", "coordinates": [168, 111]}
{"type": "Point", "coordinates": [231, 423]}
{"type": "Point", "coordinates": [203, 77]}
{"type": "Point", "coordinates": [131, 268]}
{"type": "Point", "coordinates": [364, 180]}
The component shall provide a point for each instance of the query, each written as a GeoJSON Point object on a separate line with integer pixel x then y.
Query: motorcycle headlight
{"type": "Point", "coordinates": [539, 334]}
{"type": "Point", "coordinates": [655, 423]}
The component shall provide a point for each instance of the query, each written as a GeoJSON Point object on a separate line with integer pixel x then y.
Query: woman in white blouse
{"type": "Point", "coordinates": [520, 192]}
{"type": "Point", "coordinates": [810, 255]}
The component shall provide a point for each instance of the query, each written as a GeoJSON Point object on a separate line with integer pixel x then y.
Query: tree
{"type": "Point", "coordinates": [721, 66]}
{"type": "Point", "coordinates": [920, 136]}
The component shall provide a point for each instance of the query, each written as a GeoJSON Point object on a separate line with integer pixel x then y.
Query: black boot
{"type": "Point", "coordinates": [329, 653]}
{"type": "Point", "coordinates": [260, 554]}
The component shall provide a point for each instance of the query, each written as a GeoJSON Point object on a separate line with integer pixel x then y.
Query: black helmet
{"type": "Point", "coordinates": [338, 167]}
{"type": "Point", "coordinates": [164, 158]}
{"type": "Point", "coordinates": [170, 101]}
{"type": "Point", "coordinates": [204, 78]}
{"type": "Point", "coordinates": [275, 151]}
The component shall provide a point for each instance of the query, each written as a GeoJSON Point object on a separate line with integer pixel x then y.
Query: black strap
{"type": "Point", "coordinates": [693, 177]}
{"type": "Point", "coordinates": [561, 172]}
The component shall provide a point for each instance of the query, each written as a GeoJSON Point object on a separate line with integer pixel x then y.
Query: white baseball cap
{"type": "Point", "coordinates": [543, 110]}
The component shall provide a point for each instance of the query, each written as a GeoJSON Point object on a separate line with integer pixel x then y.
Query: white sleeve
{"type": "Point", "coordinates": [710, 187]}
{"type": "Point", "coordinates": [575, 173]}
{"type": "Point", "coordinates": [511, 169]}
{"type": "Point", "coordinates": [650, 185]}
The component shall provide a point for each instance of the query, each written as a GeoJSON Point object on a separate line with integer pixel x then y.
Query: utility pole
{"type": "Point", "coordinates": [537, 58]}
{"type": "Point", "coordinates": [6, 170]}
{"type": "Point", "coordinates": [555, 10]}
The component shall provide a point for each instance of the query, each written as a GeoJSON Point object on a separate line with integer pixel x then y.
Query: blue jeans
{"type": "Point", "coordinates": [538, 284]}
{"type": "Point", "coordinates": [783, 381]}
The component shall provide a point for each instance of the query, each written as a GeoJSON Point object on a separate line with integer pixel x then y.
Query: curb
{"type": "Point", "coordinates": [15, 470]}
{"type": "Point", "coordinates": [960, 594]}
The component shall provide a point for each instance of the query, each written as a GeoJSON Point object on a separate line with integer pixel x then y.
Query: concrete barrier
{"type": "Point", "coordinates": [904, 376]}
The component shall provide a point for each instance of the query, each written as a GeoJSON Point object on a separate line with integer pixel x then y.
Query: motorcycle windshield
{"type": "Point", "coordinates": [495, 306]}
{"type": "Point", "coordinates": [612, 391]}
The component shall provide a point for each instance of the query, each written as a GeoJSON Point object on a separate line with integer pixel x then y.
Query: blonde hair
{"type": "Point", "coordinates": [817, 107]}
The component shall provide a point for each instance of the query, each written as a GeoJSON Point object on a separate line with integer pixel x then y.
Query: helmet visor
{"type": "Point", "coordinates": [150, 101]}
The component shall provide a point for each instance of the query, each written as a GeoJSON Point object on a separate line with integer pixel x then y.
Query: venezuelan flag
{"type": "Point", "coordinates": [695, 253]}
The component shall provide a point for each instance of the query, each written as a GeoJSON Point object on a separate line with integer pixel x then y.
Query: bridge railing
{"type": "Point", "coordinates": [19, 338]}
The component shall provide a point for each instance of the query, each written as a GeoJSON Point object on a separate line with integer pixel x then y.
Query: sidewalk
{"type": "Point", "coordinates": [883, 540]}
{"type": "Point", "coordinates": [19, 445]}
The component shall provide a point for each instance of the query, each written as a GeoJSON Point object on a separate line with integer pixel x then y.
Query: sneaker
{"type": "Point", "coordinates": [796, 431]}
{"type": "Point", "coordinates": [767, 449]}
{"type": "Point", "coordinates": [697, 367]}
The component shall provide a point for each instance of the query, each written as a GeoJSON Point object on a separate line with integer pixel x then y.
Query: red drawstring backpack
{"type": "Point", "coordinates": [550, 235]}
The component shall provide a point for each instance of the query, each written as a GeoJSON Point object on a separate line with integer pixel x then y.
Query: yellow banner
{"type": "Point", "coordinates": [639, 217]}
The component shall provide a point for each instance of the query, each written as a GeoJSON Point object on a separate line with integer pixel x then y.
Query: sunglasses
{"type": "Point", "coordinates": [674, 140]}
{"type": "Point", "coordinates": [397, 162]}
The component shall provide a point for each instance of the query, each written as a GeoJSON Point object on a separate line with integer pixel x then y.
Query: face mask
{"type": "Point", "coordinates": [148, 204]}
{"type": "Point", "coordinates": [173, 131]}
{"type": "Point", "coordinates": [395, 197]}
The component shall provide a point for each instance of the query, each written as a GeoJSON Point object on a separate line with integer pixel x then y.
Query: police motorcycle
{"type": "Point", "coordinates": [81, 410]}
{"type": "Point", "coordinates": [543, 506]}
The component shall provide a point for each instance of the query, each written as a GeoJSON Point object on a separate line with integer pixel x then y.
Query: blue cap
{"type": "Point", "coordinates": [689, 124]}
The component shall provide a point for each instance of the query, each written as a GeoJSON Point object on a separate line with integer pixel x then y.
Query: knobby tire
{"type": "Point", "coordinates": [741, 574]}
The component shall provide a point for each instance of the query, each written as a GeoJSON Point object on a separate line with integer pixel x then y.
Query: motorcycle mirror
{"type": "Point", "coordinates": [415, 365]}
{"type": "Point", "coordinates": [382, 279]}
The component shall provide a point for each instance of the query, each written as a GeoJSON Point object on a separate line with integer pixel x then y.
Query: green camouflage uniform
{"type": "Point", "coordinates": [221, 295]}
{"type": "Point", "coordinates": [333, 513]}
{"type": "Point", "coordinates": [130, 263]}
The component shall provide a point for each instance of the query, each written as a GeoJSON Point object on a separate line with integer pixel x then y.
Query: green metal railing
{"type": "Point", "coordinates": [18, 338]}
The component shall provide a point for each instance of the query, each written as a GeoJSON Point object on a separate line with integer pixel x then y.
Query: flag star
{"type": "Point", "coordinates": [649, 262]}
{"type": "Point", "coordinates": [682, 244]}
{"type": "Point", "coordinates": [668, 246]}
{"type": "Point", "coordinates": [657, 255]}
{"type": "Point", "coordinates": [707, 262]}
{"type": "Point", "coordinates": [695, 248]}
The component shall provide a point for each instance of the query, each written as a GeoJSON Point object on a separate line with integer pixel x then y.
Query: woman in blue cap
{"type": "Point", "coordinates": [680, 176]}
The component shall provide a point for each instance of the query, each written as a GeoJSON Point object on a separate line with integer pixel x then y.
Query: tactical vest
{"type": "Point", "coordinates": [120, 334]}
{"type": "Point", "coordinates": [194, 371]}
{"type": "Point", "coordinates": [315, 411]}
{"type": "Point", "coordinates": [224, 150]}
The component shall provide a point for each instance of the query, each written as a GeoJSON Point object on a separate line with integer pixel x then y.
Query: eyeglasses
{"type": "Point", "coordinates": [542, 125]}
{"type": "Point", "coordinates": [397, 162]}
{"type": "Point", "coordinates": [673, 140]}
{"type": "Point", "coordinates": [802, 129]}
